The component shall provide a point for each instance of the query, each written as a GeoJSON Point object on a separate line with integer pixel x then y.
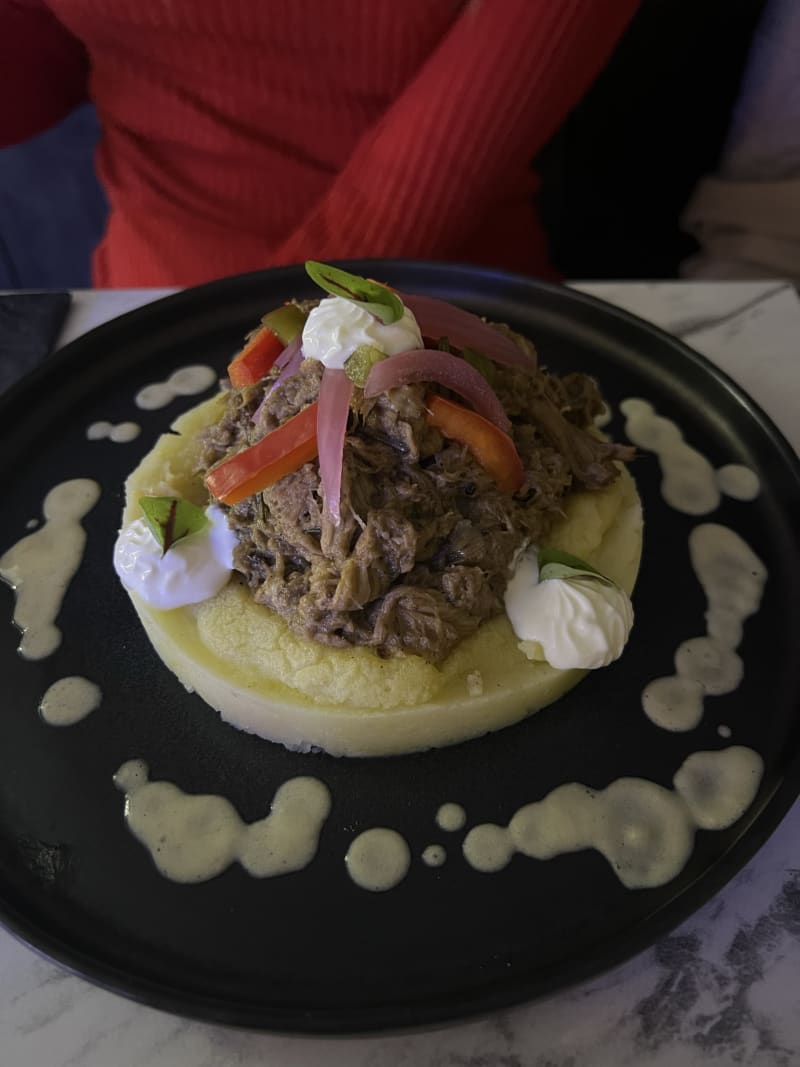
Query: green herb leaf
{"type": "Point", "coordinates": [553, 563]}
{"type": "Point", "coordinates": [170, 519]}
{"type": "Point", "coordinates": [376, 299]}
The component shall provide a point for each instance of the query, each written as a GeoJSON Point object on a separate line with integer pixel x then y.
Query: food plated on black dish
{"type": "Point", "coordinates": [406, 532]}
{"type": "Point", "coordinates": [652, 787]}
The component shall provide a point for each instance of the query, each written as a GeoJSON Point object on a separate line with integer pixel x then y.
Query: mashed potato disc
{"type": "Point", "coordinates": [245, 661]}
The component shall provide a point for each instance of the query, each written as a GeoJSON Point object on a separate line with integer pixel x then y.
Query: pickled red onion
{"type": "Point", "coordinates": [453, 372]}
{"type": "Point", "coordinates": [437, 318]}
{"type": "Point", "coordinates": [335, 391]}
{"type": "Point", "coordinates": [288, 369]}
{"type": "Point", "coordinates": [290, 352]}
{"type": "Point", "coordinates": [289, 363]}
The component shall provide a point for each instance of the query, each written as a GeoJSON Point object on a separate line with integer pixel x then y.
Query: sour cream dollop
{"type": "Point", "coordinates": [336, 327]}
{"type": "Point", "coordinates": [569, 622]}
{"type": "Point", "coordinates": [193, 569]}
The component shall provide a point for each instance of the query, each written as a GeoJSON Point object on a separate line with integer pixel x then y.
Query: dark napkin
{"type": "Point", "coordinates": [29, 326]}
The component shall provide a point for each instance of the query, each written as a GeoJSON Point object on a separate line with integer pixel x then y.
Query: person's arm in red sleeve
{"type": "Point", "coordinates": [43, 70]}
{"type": "Point", "coordinates": [499, 84]}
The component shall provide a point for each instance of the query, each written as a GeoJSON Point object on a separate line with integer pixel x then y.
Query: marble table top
{"type": "Point", "coordinates": [724, 988]}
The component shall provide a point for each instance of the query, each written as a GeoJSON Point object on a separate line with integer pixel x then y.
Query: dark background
{"type": "Point", "coordinates": [618, 173]}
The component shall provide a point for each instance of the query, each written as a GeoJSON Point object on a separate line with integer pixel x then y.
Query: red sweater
{"type": "Point", "coordinates": [241, 134]}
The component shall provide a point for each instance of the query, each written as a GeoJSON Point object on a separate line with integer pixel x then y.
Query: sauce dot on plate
{"type": "Point", "coordinates": [434, 856]}
{"type": "Point", "coordinates": [378, 859]}
{"type": "Point", "coordinates": [69, 700]}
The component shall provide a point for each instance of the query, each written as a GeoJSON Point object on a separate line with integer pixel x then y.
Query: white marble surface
{"type": "Point", "coordinates": [723, 989]}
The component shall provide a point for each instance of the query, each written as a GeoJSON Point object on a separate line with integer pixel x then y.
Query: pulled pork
{"type": "Point", "coordinates": [421, 556]}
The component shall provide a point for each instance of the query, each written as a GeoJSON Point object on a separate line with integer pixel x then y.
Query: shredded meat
{"type": "Point", "coordinates": [421, 555]}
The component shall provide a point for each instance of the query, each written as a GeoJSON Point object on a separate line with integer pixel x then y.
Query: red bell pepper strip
{"type": "Point", "coordinates": [491, 446]}
{"type": "Point", "coordinates": [267, 461]}
{"type": "Point", "coordinates": [255, 360]}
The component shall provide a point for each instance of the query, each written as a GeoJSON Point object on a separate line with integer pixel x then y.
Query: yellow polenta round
{"type": "Point", "coordinates": [245, 661]}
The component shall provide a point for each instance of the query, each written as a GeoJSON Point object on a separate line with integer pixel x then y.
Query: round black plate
{"type": "Point", "coordinates": [311, 951]}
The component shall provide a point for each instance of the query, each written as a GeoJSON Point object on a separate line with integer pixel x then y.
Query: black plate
{"type": "Point", "coordinates": [311, 951]}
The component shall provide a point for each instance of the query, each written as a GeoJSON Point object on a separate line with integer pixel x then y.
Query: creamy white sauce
{"type": "Point", "coordinates": [41, 565]}
{"type": "Point", "coordinates": [715, 668]}
{"type": "Point", "coordinates": [569, 622]}
{"type": "Point", "coordinates": [718, 787]}
{"type": "Point", "coordinates": [69, 700]}
{"type": "Point", "coordinates": [689, 481]}
{"type": "Point", "coordinates": [378, 859]}
{"type": "Point", "coordinates": [451, 817]}
{"type": "Point", "coordinates": [738, 482]}
{"type": "Point", "coordinates": [187, 381]}
{"type": "Point", "coordinates": [434, 855]}
{"type": "Point", "coordinates": [646, 832]}
{"type": "Point", "coordinates": [120, 433]}
{"type": "Point", "coordinates": [690, 484]}
{"type": "Point", "coordinates": [673, 703]}
{"type": "Point", "coordinates": [193, 569]}
{"type": "Point", "coordinates": [732, 578]}
{"type": "Point", "coordinates": [488, 847]}
{"type": "Point", "coordinates": [195, 837]}
{"type": "Point", "coordinates": [336, 327]}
